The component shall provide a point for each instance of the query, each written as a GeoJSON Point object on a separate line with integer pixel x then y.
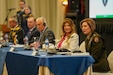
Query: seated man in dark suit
{"type": "Point", "coordinates": [25, 16]}
{"type": "Point", "coordinates": [45, 32]}
{"type": "Point", "coordinates": [16, 34]}
{"type": "Point", "coordinates": [33, 33]}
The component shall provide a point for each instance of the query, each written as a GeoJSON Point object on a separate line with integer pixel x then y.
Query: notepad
{"type": "Point", "coordinates": [18, 45]}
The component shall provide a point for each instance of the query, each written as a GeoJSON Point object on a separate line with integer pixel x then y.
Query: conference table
{"type": "Point", "coordinates": [22, 62]}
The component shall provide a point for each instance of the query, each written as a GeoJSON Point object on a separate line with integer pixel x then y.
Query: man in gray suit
{"type": "Point", "coordinates": [45, 32]}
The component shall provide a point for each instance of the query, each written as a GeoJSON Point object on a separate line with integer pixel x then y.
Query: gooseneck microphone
{"type": "Point", "coordinates": [12, 9]}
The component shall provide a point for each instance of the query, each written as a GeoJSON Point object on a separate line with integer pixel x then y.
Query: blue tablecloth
{"type": "Point", "coordinates": [18, 64]}
{"type": "Point", "coordinates": [22, 62]}
{"type": "Point", "coordinates": [66, 65]}
{"type": "Point", "coordinates": [3, 52]}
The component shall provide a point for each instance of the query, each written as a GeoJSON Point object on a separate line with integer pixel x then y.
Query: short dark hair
{"type": "Point", "coordinates": [22, 1]}
{"type": "Point", "coordinates": [32, 17]}
{"type": "Point", "coordinates": [29, 8]}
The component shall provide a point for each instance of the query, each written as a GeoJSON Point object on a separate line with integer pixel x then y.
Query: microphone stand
{"type": "Point", "coordinates": [6, 19]}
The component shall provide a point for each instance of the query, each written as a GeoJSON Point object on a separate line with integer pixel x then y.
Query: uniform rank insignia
{"type": "Point", "coordinates": [96, 39]}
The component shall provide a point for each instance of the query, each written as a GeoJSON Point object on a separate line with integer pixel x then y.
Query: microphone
{"type": "Point", "coordinates": [12, 9]}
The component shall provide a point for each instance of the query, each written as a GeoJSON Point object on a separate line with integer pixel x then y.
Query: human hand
{"type": "Point", "coordinates": [35, 44]}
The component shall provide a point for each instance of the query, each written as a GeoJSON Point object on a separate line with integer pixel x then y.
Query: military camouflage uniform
{"type": "Point", "coordinates": [96, 47]}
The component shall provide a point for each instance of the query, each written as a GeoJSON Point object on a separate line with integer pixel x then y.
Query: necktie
{"type": "Point", "coordinates": [28, 33]}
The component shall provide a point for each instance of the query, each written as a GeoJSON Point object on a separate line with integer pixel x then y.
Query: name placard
{"type": "Point", "coordinates": [34, 53]}
{"type": "Point", "coordinates": [12, 49]}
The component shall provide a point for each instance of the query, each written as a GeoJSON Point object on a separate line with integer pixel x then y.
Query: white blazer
{"type": "Point", "coordinates": [72, 44]}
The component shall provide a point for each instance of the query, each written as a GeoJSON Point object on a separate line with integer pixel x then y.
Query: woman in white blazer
{"type": "Point", "coordinates": [69, 39]}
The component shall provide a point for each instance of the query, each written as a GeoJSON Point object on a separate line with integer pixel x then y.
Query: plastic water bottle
{"type": "Point", "coordinates": [6, 37]}
{"type": "Point", "coordinates": [26, 42]}
{"type": "Point", "coordinates": [46, 44]}
{"type": "Point", "coordinates": [1, 37]}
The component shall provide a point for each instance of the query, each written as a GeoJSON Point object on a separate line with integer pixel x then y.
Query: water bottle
{"type": "Point", "coordinates": [46, 44]}
{"type": "Point", "coordinates": [37, 43]}
{"type": "Point", "coordinates": [6, 37]}
{"type": "Point", "coordinates": [1, 37]}
{"type": "Point", "coordinates": [26, 42]}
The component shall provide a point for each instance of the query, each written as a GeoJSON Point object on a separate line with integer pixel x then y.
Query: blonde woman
{"type": "Point", "coordinates": [69, 39]}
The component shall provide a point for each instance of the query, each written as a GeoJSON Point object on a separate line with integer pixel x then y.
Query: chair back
{"type": "Point", "coordinates": [82, 47]}
{"type": "Point", "coordinates": [110, 60]}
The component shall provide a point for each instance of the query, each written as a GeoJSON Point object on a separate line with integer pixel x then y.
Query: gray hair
{"type": "Point", "coordinates": [43, 20]}
{"type": "Point", "coordinates": [14, 18]}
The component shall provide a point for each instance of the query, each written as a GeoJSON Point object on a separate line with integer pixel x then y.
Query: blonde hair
{"type": "Point", "coordinates": [90, 22]}
{"type": "Point", "coordinates": [72, 25]}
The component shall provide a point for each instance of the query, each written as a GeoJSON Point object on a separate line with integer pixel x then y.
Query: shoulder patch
{"type": "Point", "coordinates": [96, 39]}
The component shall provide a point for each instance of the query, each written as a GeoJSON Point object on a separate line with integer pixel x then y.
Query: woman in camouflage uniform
{"type": "Point", "coordinates": [95, 45]}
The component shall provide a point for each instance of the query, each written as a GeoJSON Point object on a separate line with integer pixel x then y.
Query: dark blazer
{"type": "Point", "coordinates": [47, 33]}
{"type": "Point", "coordinates": [24, 22]}
{"type": "Point", "coordinates": [16, 31]}
{"type": "Point", "coordinates": [95, 45]}
{"type": "Point", "coordinates": [32, 34]}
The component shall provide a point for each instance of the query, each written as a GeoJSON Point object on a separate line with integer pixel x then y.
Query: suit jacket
{"type": "Point", "coordinates": [95, 45]}
{"type": "Point", "coordinates": [72, 43]}
{"type": "Point", "coordinates": [16, 31]}
{"type": "Point", "coordinates": [24, 22]}
{"type": "Point", "coordinates": [47, 33]}
{"type": "Point", "coordinates": [32, 34]}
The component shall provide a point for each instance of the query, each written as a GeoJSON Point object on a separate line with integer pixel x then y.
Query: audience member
{"type": "Point", "coordinates": [20, 12]}
{"type": "Point", "coordinates": [69, 39]}
{"type": "Point", "coordinates": [45, 32]}
{"type": "Point", "coordinates": [95, 45]}
{"type": "Point", "coordinates": [33, 32]}
{"type": "Point", "coordinates": [26, 14]}
{"type": "Point", "coordinates": [16, 31]}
